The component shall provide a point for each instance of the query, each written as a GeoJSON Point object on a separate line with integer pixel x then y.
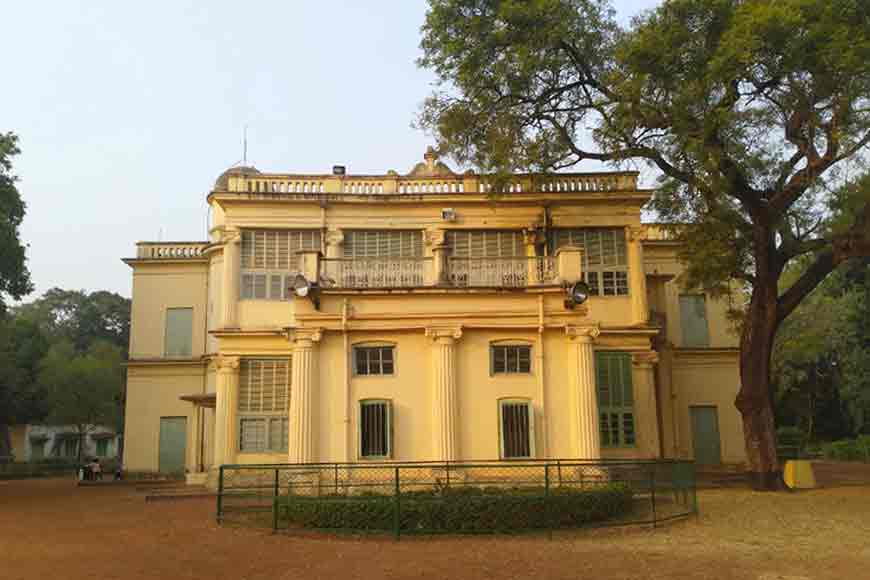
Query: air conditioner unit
{"type": "Point", "coordinates": [448, 214]}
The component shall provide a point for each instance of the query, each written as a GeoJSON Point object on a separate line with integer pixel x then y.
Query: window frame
{"type": "Point", "coordinates": [606, 412]}
{"type": "Point", "coordinates": [250, 272]}
{"type": "Point", "coordinates": [167, 310]}
{"type": "Point", "coordinates": [267, 418]}
{"type": "Point", "coordinates": [594, 276]}
{"type": "Point", "coordinates": [506, 344]}
{"type": "Point", "coordinates": [368, 347]}
{"type": "Point", "coordinates": [102, 442]}
{"type": "Point", "coordinates": [683, 341]}
{"type": "Point", "coordinates": [388, 403]}
{"type": "Point", "coordinates": [530, 414]}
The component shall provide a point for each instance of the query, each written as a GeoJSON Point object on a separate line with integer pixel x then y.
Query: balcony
{"type": "Point", "coordinates": [375, 272]}
{"type": "Point", "coordinates": [421, 272]}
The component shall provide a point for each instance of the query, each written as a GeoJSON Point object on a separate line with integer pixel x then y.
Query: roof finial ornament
{"type": "Point", "coordinates": [431, 166]}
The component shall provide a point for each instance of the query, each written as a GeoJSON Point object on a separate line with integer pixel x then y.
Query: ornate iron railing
{"type": "Point", "coordinates": [374, 272]}
{"type": "Point", "coordinates": [501, 272]}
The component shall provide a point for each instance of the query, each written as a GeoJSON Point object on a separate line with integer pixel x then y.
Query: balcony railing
{"type": "Point", "coordinates": [501, 272]}
{"type": "Point", "coordinates": [375, 272]}
{"type": "Point", "coordinates": [170, 250]}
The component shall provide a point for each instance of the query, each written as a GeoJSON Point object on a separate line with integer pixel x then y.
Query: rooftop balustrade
{"type": "Point", "coordinates": [170, 250]}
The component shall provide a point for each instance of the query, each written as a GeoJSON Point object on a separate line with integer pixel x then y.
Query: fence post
{"type": "Point", "coordinates": [447, 467]}
{"type": "Point", "coordinates": [220, 494]}
{"type": "Point", "coordinates": [335, 491]}
{"type": "Point", "coordinates": [652, 490]}
{"type": "Point", "coordinates": [559, 470]}
{"type": "Point", "coordinates": [398, 508]}
{"type": "Point", "coordinates": [548, 513]}
{"type": "Point", "coordinates": [275, 504]}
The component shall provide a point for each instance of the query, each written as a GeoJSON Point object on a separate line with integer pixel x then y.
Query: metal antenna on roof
{"type": "Point", "coordinates": [245, 147]}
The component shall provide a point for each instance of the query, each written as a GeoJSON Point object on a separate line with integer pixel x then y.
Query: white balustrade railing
{"type": "Point", "coordinates": [374, 272]}
{"type": "Point", "coordinates": [501, 272]}
{"type": "Point", "coordinates": [169, 250]}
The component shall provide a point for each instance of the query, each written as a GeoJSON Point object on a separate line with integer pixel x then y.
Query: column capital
{"type": "Point", "coordinates": [227, 364]}
{"type": "Point", "coordinates": [305, 337]}
{"type": "Point", "coordinates": [434, 237]}
{"type": "Point", "coordinates": [334, 237]}
{"type": "Point", "coordinates": [583, 333]}
{"type": "Point", "coordinates": [231, 235]}
{"type": "Point", "coordinates": [444, 332]}
{"type": "Point", "coordinates": [530, 236]}
{"type": "Point", "coordinates": [635, 233]}
{"type": "Point", "coordinates": [644, 359]}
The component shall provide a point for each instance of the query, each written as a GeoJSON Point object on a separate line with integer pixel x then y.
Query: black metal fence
{"type": "Point", "coordinates": [419, 497]}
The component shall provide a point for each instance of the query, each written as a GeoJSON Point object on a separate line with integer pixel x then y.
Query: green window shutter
{"type": "Point", "coordinates": [693, 319]}
{"type": "Point", "coordinates": [615, 398]}
{"type": "Point", "coordinates": [178, 340]}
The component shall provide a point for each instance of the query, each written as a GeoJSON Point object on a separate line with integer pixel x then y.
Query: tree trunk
{"type": "Point", "coordinates": [753, 401]}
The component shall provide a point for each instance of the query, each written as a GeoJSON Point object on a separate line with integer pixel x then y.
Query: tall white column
{"type": "Point", "coordinates": [230, 280]}
{"type": "Point", "coordinates": [586, 434]}
{"type": "Point", "coordinates": [303, 389]}
{"type": "Point", "coordinates": [643, 381]}
{"type": "Point", "coordinates": [225, 409]}
{"type": "Point", "coordinates": [636, 275]}
{"type": "Point", "coordinates": [445, 422]}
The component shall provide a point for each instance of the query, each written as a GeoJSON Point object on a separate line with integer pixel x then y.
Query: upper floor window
{"type": "Point", "coordinates": [516, 428]}
{"type": "Point", "coordinates": [383, 244]}
{"type": "Point", "coordinates": [693, 320]}
{"type": "Point", "coordinates": [486, 243]}
{"type": "Point", "coordinates": [510, 358]}
{"type": "Point", "coordinates": [605, 262]}
{"type": "Point", "coordinates": [270, 260]}
{"type": "Point", "coordinates": [178, 338]}
{"type": "Point", "coordinates": [374, 360]}
{"type": "Point", "coordinates": [615, 399]}
{"type": "Point", "coordinates": [264, 401]}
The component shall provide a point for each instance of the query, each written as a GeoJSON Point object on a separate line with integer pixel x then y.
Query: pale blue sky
{"type": "Point", "coordinates": [127, 112]}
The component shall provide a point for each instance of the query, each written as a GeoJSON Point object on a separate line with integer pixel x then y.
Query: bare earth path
{"type": "Point", "coordinates": [52, 529]}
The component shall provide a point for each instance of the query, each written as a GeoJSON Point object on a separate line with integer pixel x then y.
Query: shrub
{"type": "Point", "coordinates": [464, 509]}
{"type": "Point", "coordinates": [848, 449]}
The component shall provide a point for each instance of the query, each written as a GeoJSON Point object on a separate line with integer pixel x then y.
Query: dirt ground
{"type": "Point", "coordinates": [52, 529]}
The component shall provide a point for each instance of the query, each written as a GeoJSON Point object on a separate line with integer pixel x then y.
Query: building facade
{"type": "Point", "coordinates": [33, 443]}
{"type": "Point", "coordinates": [435, 327]}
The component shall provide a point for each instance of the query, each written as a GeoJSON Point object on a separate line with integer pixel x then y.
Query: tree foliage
{"type": "Point", "coordinates": [14, 277]}
{"type": "Point", "coordinates": [748, 110]}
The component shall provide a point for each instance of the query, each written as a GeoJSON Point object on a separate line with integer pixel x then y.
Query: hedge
{"type": "Point", "coordinates": [848, 449]}
{"type": "Point", "coordinates": [465, 509]}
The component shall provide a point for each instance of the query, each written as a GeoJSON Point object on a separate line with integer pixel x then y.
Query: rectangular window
{"type": "Point", "coordinates": [486, 244]}
{"type": "Point", "coordinates": [615, 399]}
{"type": "Point", "coordinates": [102, 447]}
{"type": "Point", "coordinates": [37, 449]}
{"type": "Point", "coordinates": [264, 401]}
{"type": "Point", "coordinates": [383, 244]}
{"type": "Point", "coordinates": [605, 261]}
{"type": "Point", "coordinates": [517, 430]}
{"type": "Point", "coordinates": [270, 260]}
{"type": "Point", "coordinates": [511, 358]}
{"type": "Point", "coordinates": [178, 341]}
{"type": "Point", "coordinates": [375, 429]}
{"type": "Point", "coordinates": [693, 318]}
{"type": "Point", "coordinates": [373, 360]}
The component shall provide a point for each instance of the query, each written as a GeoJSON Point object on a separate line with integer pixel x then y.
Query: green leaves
{"type": "Point", "coordinates": [14, 277]}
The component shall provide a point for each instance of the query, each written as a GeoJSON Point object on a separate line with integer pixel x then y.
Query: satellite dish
{"type": "Point", "coordinates": [301, 286]}
{"type": "Point", "coordinates": [578, 293]}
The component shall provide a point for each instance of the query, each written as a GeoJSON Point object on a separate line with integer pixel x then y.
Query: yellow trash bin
{"type": "Point", "coordinates": [799, 474]}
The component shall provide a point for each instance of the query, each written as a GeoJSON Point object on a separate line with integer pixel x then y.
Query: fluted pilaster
{"type": "Point", "coordinates": [646, 405]}
{"type": "Point", "coordinates": [587, 437]}
{"type": "Point", "coordinates": [637, 275]}
{"type": "Point", "coordinates": [303, 389]}
{"type": "Point", "coordinates": [230, 280]}
{"type": "Point", "coordinates": [445, 436]}
{"type": "Point", "coordinates": [227, 388]}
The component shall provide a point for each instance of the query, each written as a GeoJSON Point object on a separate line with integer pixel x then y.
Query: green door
{"type": "Point", "coordinates": [173, 439]}
{"type": "Point", "coordinates": [705, 435]}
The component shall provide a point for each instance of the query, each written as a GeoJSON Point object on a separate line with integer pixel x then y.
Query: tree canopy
{"type": "Point", "coordinates": [14, 277]}
{"type": "Point", "coordinates": [751, 112]}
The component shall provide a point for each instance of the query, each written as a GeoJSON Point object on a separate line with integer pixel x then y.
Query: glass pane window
{"type": "Point", "coordinates": [102, 447]}
{"type": "Point", "coordinates": [375, 429]}
{"type": "Point", "coordinates": [178, 338]}
{"type": "Point", "coordinates": [486, 244]}
{"type": "Point", "coordinates": [615, 399]}
{"type": "Point", "coordinates": [516, 422]}
{"type": "Point", "coordinates": [263, 405]}
{"type": "Point", "coordinates": [374, 360]}
{"type": "Point", "coordinates": [605, 259]}
{"type": "Point", "coordinates": [383, 244]}
{"type": "Point", "coordinates": [693, 320]}
{"type": "Point", "coordinates": [511, 358]}
{"type": "Point", "coordinates": [270, 261]}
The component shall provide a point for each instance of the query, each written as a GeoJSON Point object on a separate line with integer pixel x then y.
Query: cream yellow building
{"type": "Point", "coordinates": [437, 327]}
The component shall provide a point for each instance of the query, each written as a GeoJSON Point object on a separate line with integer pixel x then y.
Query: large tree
{"type": "Point", "coordinates": [746, 109]}
{"type": "Point", "coordinates": [14, 278]}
